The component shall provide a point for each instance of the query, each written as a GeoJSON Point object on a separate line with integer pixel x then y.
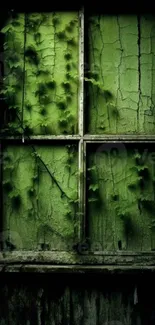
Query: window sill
{"type": "Point", "coordinates": [29, 261]}
{"type": "Point", "coordinates": [74, 269]}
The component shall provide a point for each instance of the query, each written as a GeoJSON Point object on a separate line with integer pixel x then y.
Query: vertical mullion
{"type": "Point", "coordinates": [81, 125]}
{"type": "Point", "coordinates": [81, 73]}
{"type": "Point", "coordinates": [23, 85]}
{"type": "Point", "coordinates": [84, 224]}
{"type": "Point", "coordinates": [1, 196]}
{"type": "Point", "coordinates": [80, 188]}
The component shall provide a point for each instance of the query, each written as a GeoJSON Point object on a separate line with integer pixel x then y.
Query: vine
{"type": "Point", "coordinates": [73, 202]}
{"type": "Point", "coordinates": [140, 186]}
{"type": "Point", "coordinates": [34, 57]}
{"type": "Point", "coordinates": [8, 186]}
{"type": "Point", "coordinates": [38, 159]}
{"type": "Point", "coordinates": [106, 94]}
{"type": "Point", "coordinates": [66, 117]}
{"type": "Point", "coordinates": [46, 87]}
{"type": "Point", "coordinates": [15, 196]}
{"type": "Point", "coordinates": [93, 188]}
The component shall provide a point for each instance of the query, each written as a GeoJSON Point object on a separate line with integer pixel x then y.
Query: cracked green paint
{"type": "Point", "coordinates": [41, 72]}
{"type": "Point", "coordinates": [126, 105]}
{"type": "Point", "coordinates": [43, 217]}
{"type": "Point", "coordinates": [122, 59]}
{"type": "Point", "coordinates": [121, 198]}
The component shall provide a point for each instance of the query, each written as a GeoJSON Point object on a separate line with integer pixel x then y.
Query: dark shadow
{"type": "Point", "coordinates": [129, 227]}
{"type": "Point", "coordinates": [149, 206]}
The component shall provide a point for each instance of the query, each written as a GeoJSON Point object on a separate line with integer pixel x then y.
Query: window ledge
{"type": "Point", "coordinates": [70, 259]}
{"type": "Point", "coordinates": [74, 269]}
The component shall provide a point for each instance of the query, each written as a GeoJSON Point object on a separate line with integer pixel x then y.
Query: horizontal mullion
{"type": "Point", "coordinates": [117, 138]}
{"type": "Point", "coordinates": [87, 137]}
{"type": "Point", "coordinates": [41, 137]}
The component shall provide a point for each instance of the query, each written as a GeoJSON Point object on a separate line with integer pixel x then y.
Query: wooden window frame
{"type": "Point", "coordinates": [80, 260]}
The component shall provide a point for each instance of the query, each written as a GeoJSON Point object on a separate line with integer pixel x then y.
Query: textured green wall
{"type": "Point", "coordinates": [41, 90]}
{"type": "Point", "coordinates": [121, 197]}
{"type": "Point", "coordinates": [40, 205]}
{"type": "Point", "coordinates": [41, 72]}
{"type": "Point", "coordinates": [122, 61]}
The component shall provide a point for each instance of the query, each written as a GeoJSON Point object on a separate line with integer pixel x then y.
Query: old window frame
{"type": "Point", "coordinates": [82, 256]}
{"type": "Point", "coordinates": [77, 138]}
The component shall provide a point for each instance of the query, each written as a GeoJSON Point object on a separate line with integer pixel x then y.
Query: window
{"type": "Point", "coordinates": [77, 134]}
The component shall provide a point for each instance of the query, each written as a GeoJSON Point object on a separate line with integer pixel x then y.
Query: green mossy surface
{"type": "Point", "coordinates": [40, 211]}
{"type": "Point", "coordinates": [121, 198]}
{"type": "Point", "coordinates": [37, 50]}
{"type": "Point", "coordinates": [122, 61]}
{"type": "Point", "coordinates": [41, 90]}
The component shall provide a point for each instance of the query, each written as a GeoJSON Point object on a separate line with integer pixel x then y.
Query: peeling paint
{"type": "Point", "coordinates": [122, 58]}
{"type": "Point", "coordinates": [45, 217]}
{"type": "Point", "coordinates": [121, 197]}
{"type": "Point", "coordinates": [41, 72]}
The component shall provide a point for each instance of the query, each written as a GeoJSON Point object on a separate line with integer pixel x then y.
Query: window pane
{"type": "Point", "coordinates": [121, 82]}
{"type": "Point", "coordinates": [40, 196]}
{"type": "Point", "coordinates": [121, 196]}
{"type": "Point", "coordinates": [41, 72]}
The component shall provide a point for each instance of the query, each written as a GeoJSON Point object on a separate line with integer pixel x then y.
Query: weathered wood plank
{"type": "Point", "coordinates": [119, 259]}
{"type": "Point", "coordinates": [80, 300]}
{"type": "Point", "coordinates": [39, 190]}
{"type": "Point", "coordinates": [77, 269]}
{"type": "Point", "coordinates": [121, 93]}
{"type": "Point", "coordinates": [120, 205]}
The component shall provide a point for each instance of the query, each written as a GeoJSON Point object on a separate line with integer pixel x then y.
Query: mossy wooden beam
{"type": "Point", "coordinates": [76, 269]}
{"type": "Point", "coordinates": [106, 259]}
{"type": "Point", "coordinates": [86, 137]}
{"type": "Point", "coordinates": [42, 137]}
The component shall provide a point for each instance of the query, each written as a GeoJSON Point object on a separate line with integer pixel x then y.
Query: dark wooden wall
{"type": "Point", "coordinates": [30, 299]}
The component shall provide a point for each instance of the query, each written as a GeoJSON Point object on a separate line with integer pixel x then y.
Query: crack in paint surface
{"type": "Point", "coordinates": [122, 55]}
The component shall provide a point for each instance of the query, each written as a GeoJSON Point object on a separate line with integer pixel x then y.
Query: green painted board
{"type": "Point", "coordinates": [121, 197]}
{"type": "Point", "coordinates": [41, 72]}
{"type": "Point", "coordinates": [121, 91]}
{"type": "Point", "coordinates": [40, 196]}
